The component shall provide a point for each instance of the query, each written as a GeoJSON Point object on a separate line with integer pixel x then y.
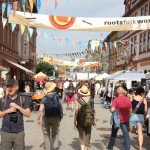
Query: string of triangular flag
{"type": "Point", "coordinates": [14, 5]}
{"type": "Point", "coordinates": [13, 26]}
{"type": "Point", "coordinates": [71, 55]}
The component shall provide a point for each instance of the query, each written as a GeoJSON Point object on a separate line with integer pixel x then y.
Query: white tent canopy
{"type": "Point", "coordinates": [132, 76]}
{"type": "Point", "coordinates": [101, 76]}
{"type": "Point", "coordinates": [113, 75]}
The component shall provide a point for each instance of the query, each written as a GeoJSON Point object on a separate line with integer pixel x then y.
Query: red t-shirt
{"type": "Point", "coordinates": [123, 104]}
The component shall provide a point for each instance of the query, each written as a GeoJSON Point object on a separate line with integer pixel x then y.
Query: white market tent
{"type": "Point", "coordinates": [102, 76]}
{"type": "Point", "coordinates": [122, 75]}
{"type": "Point", "coordinates": [113, 75]}
{"type": "Point", "coordinates": [131, 76]}
{"type": "Point", "coordinates": [147, 76]}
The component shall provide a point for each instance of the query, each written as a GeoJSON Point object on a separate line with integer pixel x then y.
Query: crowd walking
{"type": "Point", "coordinates": [128, 112]}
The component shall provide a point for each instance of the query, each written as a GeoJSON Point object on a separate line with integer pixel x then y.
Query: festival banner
{"type": "Point", "coordinates": [77, 63]}
{"type": "Point", "coordinates": [81, 23]}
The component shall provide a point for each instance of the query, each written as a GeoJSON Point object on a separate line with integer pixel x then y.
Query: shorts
{"type": "Point", "coordinates": [138, 119]}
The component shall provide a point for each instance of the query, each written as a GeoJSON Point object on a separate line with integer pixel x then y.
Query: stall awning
{"type": "Point", "coordinates": [21, 67]}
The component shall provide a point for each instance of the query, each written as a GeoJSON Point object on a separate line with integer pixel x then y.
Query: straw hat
{"type": "Point", "coordinates": [49, 87]}
{"type": "Point", "coordinates": [84, 91]}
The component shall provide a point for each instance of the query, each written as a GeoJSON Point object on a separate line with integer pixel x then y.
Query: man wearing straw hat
{"type": "Point", "coordinates": [52, 115]}
{"type": "Point", "coordinates": [80, 122]}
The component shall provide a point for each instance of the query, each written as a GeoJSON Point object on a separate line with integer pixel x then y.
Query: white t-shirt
{"type": "Point", "coordinates": [1, 92]}
{"type": "Point", "coordinates": [66, 84]}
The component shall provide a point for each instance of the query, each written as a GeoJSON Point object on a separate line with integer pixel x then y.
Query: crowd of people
{"type": "Point", "coordinates": [128, 107]}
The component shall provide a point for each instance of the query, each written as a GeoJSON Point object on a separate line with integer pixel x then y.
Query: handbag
{"type": "Point", "coordinates": [134, 111]}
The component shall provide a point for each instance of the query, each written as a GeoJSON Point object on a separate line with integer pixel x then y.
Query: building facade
{"type": "Point", "coordinates": [17, 50]}
{"type": "Point", "coordinates": [111, 41]}
{"type": "Point", "coordinates": [137, 51]}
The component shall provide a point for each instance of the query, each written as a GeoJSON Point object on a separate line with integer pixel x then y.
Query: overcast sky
{"type": "Point", "coordinates": [76, 8]}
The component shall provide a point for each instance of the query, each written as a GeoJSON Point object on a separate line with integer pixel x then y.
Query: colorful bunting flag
{"type": "Point", "coordinates": [30, 31]}
{"type": "Point", "coordinates": [60, 40]}
{"type": "Point", "coordinates": [56, 3]}
{"type": "Point", "coordinates": [74, 42]}
{"type": "Point", "coordinates": [38, 32]}
{"type": "Point", "coordinates": [3, 8]}
{"type": "Point", "coordinates": [22, 29]}
{"type": "Point", "coordinates": [31, 2]}
{"type": "Point", "coordinates": [45, 35]}
{"type": "Point", "coordinates": [67, 41]}
{"type": "Point", "coordinates": [13, 26]}
{"type": "Point", "coordinates": [47, 3]}
{"type": "Point", "coordinates": [9, 8]}
{"type": "Point", "coordinates": [38, 3]}
{"type": "Point", "coordinates": [4, 20]}
{"type": "Point", "coordinates": [15, 6]}
{"type": "Point", "coordinates": [23, 5]}
{"type": "Point", "coordinates": [53, 37]}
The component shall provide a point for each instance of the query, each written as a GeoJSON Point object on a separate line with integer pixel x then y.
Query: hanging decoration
{"type": "Point", "coordinates": [4, 20]}
{"type": "Point", "coordinates": [3, 8]}
{"type": "Point", "coordinates": [81, 23]}
{"type": "Point", "coordinates": [30, 31]}
{"type": "Point", "coordinates": [38, 3]}
{"type": "Point", "coordinates": [76, 63]}
{"type": "Point", "coordinates": [15, 6]}
{"type": "Point", "coordinates": [23, 5]}
{"type": "Point", "coordinates": [22, 27]}
{"type": "Point", "coordinates": [31, 2]}
{"type": "Point", "coordinates": [9, 8]}
{"type": "Point", "coordinates": [56, 3]}
{"type": "Point", "coordinates": [13, 26]}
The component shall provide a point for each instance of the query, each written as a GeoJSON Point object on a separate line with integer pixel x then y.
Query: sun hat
{"type": "Point", "coordinates": [84, 91]}
{"type": "Point", "coordinates": [49, 87]}
{"type": "Point", "coordinates": [11, 82]}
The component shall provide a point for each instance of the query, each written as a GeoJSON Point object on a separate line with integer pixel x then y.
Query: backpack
{"type": "Point", "coordinates": [52, 106]}
{"type": "Point", "coordinates": [92, 86]}
{"type": "Point", "coordinates": [86, 114]}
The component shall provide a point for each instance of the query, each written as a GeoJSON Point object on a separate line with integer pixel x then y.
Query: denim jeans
{"type": "Point", "coordinates": [125, 130]}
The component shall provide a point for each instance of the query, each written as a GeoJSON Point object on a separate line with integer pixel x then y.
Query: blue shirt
{"type": "Point", "coordinates": [7, 124]}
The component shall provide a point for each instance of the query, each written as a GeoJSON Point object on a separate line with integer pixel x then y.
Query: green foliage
{"type": "Point", "coordinates": [46, 68]}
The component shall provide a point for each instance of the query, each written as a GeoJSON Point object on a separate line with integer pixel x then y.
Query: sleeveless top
{"type": "Point", "coordinates": [140, 110]}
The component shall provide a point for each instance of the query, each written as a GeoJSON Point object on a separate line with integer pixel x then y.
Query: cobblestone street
{"type": "Point", "coordinates": [69, 137]}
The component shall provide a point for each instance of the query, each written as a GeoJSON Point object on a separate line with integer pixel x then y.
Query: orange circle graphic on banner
{"type": "Point", "coordinates": [62, 23]}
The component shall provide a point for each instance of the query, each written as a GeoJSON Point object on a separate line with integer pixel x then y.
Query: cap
{"type": "Point", "coordinates": [12, 82]}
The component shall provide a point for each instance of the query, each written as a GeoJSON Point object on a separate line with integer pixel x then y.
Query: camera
{"type": "Point", "coordinates": [13, 117]}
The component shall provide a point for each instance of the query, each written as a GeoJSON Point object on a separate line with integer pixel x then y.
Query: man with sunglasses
{"type": "Point", "coordinates": [12, 109]}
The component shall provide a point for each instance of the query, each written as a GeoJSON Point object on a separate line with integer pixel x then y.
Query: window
{"type": "Point", "coordinates": [132, 46]}
{"type": "Point", "coordinates": [135, 46]}
{"type": "Point", "coordinates": [142, 12]}
{"type": "Point", "coordinates": [146, 10]}
{"type": "Point", "coordinates": [149, 8]}
{"type": "Point", "coordinates": [136, 14]}
{"type": "Point", "coordinates": [140, 44]}
{"type": "Point", "coordinates": [144, 42]}
{"type": "Point", "coordinates": [148, 45]}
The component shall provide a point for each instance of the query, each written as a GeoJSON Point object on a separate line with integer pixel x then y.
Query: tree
{"type": "Point", "coordinates": [46, 68]}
